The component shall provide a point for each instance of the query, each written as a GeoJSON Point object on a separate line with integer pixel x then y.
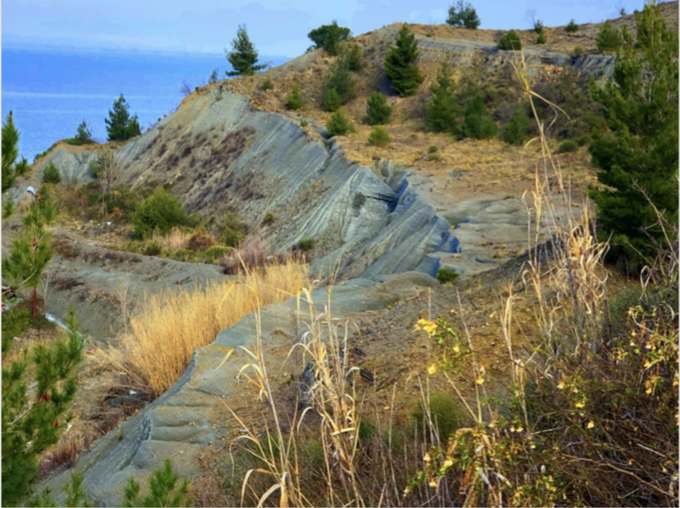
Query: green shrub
{"type": "Point", "coordinates": [463, 15]}
{"type": "Point", "coordinates": [269, 219]}
{"type": "Point", "coordinates": [329, 37]}
{"type": "Point", "coordinates": [400, 64]}
{"type": "Point", "coordinates": [216, 252]}
{"type": "Point", "coordinates": [539, 27]}
{"type": "Point", "coordinates": [583, 140]}
{"type": "Point", "coordinates": [51, 174]}
{"type": "Point", "coordinates": [165, 489]}
{"type": "Point", "coordinates": [120, 126]}
{"type": "Point", "coordinates": [571, 27]}
{"type": "Point", "coordinates": [159, 213]}
{"type": "Point", "coordinates": [331, 100]}
{"type": "Point", "coordinates": [446, 275]}
{"type": "Point", "coordinates": [609, 38]}
{"type": "Point", "coordinates": [542, 38]}
{"type": "Point", "coordinates": [379, 136]}
{"type": "Point", "coordinates": [433, 154]}
{"type": "Point", "coordinates": [84, 134]}
{"type": "Point", "coordinates": [232, 229]}
{"type": "Point", "coordinates": [567, 146]}
{"type": "Point", "coordinates": [578, 51]}
{"type": "Point", "coordinates": [445, 413]}
{"type": "Point", "coordinates": [510, 41]}
{"type": "Point", "coordinates": [153, 249]}
{"type": "Point", "coordinates": [355, 57]}
{"type": "Point", "coordinates": [378, 112]}
{"type": "Point", "coordinates": [295, 100]}
{"type": "Point", "coordinates": [267, 84]}
{"type": "Point", "coordinates": [339, 124]}
{"type": "Point", "coordinates": [306, 244]}
{"type": "Point", "coordinates": [516, 131]}
{"type": "Point", "coordinates": [304, 123]}
{"type": "Point", "coordinates": [15, 323]}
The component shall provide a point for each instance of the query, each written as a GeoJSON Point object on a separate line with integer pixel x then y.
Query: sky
{"type": "Point", "coordinates": [277, 27]}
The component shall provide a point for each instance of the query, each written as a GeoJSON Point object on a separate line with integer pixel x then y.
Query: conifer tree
{"type": "Point", "coordinates": [295, 99]}
{"type": "Point", "coordinates": [32, 420]}
{"type": "Point", "coordinates": [640, 153]}
{"type": "Point", "coordinates": [609, 38]}
{"type": "Point", "coordinates": [120, 126]}
{"type": "Point", "coordinates": [355, 58]}
{"type": "Point", "coordinates": [463, 15]}
{"type": "Point", "coordinates": [165, 489]}
{"type": "Point", "coordinates": [443, 110]}
{"type": "Point", "coordinates": [10, 152]}
{"type": "Point", "coordinates": [478, 124]}
{"type": "Point", "coordinates": [400, 65]}
{"type": "Point", "coordinates": [377, 110]}
{"type": "Point", "coordinates": [341, 80]}
{"type": "Point", "coordinates": [84, 134]}
{"type": "Point", "coordinates": [243, 56]}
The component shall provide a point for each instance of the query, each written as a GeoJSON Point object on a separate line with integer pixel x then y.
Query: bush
{"type": "Point", "coordinates": [354, 58]}
{"type": "Point", "coordinates": [339, 124]}
{"type": "Point", "coordinates": [433, 154]}
{"type": "Point", "coordinates": [542, 38]}
{"type": "Point", "coordinates": [153, 249]}
{"type": "Point", "coordinates": [232, 229]}
{"type": "Point", "coordinates": [377, 110]}
{"type": "Point", "coordinates": [159, 213]}
{"type": "Point", "coordinates": [51, 174]}
{"type": "Point", "coordinates": [447, 275]}
{"type": "Point", "coordinates": [445, 412]}
{"type": "Point", "coordinates": [609, 38]}
{"type": "Point", "coordinates": [567, 146]}
{"type": "Point", "coordinates": [329, 37]}
{"type": "Point", "coordinates": [304, 123]}
{"type": "Point", "coordinates": [571, 27]}
{"type": "Point", "coordinates": [510, 41]}
{"type": "Point", "coordinates": [400, 64]}
{"type": "Point", "coordinates": [463, 15]}
{"type": "Point", "coordinates": [84, 134]}
{"type": "Point", "coordinates": [269, 219]}
{"type": "Point", "coordinates": [165, 489]}
{"type": "Point", "coordinates": [295, 100]}
{"type": "Point", "coordinates": [583, 140]}
{"type": "Point", "coordinates": [331, 100]}
{"type": "Point", "coordinates": [200, 240]}
{"type": "Point", "coordinates": [267, 84]}
{"type": "Point", "coordinates": [7, 208]}
{"type": "Point", "coordinates": [578, 51]}
{"type": "Point", "coordinates": [306, 244]}
{"type": "Point", "coordinates": [516, 131]}
{"type": "Point", "coordinates": [379, 136]}
{"type": "Point", "coordinates": [215, 253]}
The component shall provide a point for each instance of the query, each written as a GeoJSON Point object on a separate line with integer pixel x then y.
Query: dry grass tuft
{"type": "Point", "coordinates": [168, 328]}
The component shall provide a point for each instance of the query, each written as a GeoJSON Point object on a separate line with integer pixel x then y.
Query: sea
{"type": "Point", "coordinates": [50, 91]}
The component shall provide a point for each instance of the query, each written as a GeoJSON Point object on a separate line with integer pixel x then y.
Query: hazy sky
{"type": "Point", "coordinates": [278, 27]}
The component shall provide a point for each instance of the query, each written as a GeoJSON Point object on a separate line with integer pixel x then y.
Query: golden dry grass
{"type": "Point", "coordinates": [168, 328]}
{"type": "Point", "coordinates": [174, 240]}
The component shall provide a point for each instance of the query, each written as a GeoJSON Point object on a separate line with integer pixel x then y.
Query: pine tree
{"type": "Point", "coordinates": [10, 152]}
{"type": "Point", "coordinates": [214, 77]}
{"type": "Point", "coordinates": [463, 15]}
{"type": "Point", "coordinates": [329, 37]}
{"type": "Point", "coordinates": [243, 56]}
{"type": "Point", "coordinates": [443, 110]}
{"type": "Point", "coordinates": [84, 134]}
{"type": "Point", "coordinates": [377, 110]}
{"type": "Point", "coordinates": [331, 100]}
{"type": "Point", "coordinates": [572, 27]}
{"type": "Point", "coordinates": [640, 153]}
{"type": "Point", "coordinates": [339, 124]}
{"type": "Point", "coordinates": [165, 489]}
{"type": "Point", "coordinates": [510, 41]}
{"type": "Point", "coordinates": [120, 126]}
{"type": "Point", "coordinates": [355, 58]}
{"type": "Point", "coordinates": [478, 124]}
{"type": "Point", "coordinates": [341, 80]}
{"type": "Point", "coordinates": [609, 38]}
{"type": "Point", "coordinates": [516, 131]}
{"type": "Point", "coordinates": [400, 65]}
{"type": "Point", "coordinates": [32, 420]}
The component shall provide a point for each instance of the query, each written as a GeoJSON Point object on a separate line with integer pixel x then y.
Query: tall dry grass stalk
{"type": "Point", "coordinates": [176, 239]}
{"type": "Point", "coordinates": [166, 330]}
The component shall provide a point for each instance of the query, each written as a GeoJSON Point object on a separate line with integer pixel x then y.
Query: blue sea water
{"type": "Point", "coordinates": [51, 91]}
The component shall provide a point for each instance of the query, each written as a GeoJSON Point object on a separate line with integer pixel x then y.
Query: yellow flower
{"type": "Point", "coordinates": [480, 380]}
{"type": "Point", "coordinates": [456, 349]}
{"type": "Point", "coordinates": [648, 391]}
{"type": "Point", "coordinates": [648, 364]}
{"type": "Point", "coordinates": [433, 483]}
{"type": "Point", "coordinates": [580, 404]}
{"type": "Point", "coordinates": [421, 322]}
{"type": "Point", "coordinates": [430, 328]}
{"type": "Point", "coordinates": [432, 369]}
{"type": "Point", "coordinates": [560, 385]}
{"type": "Point", "coordinates": [591, 424]}
{"type": "Point", "coordinates": [520, 429]}
{"type": "Point", "coordinates": [427, 457]}
{"type": "Point", "coordinates": [448, 463]}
